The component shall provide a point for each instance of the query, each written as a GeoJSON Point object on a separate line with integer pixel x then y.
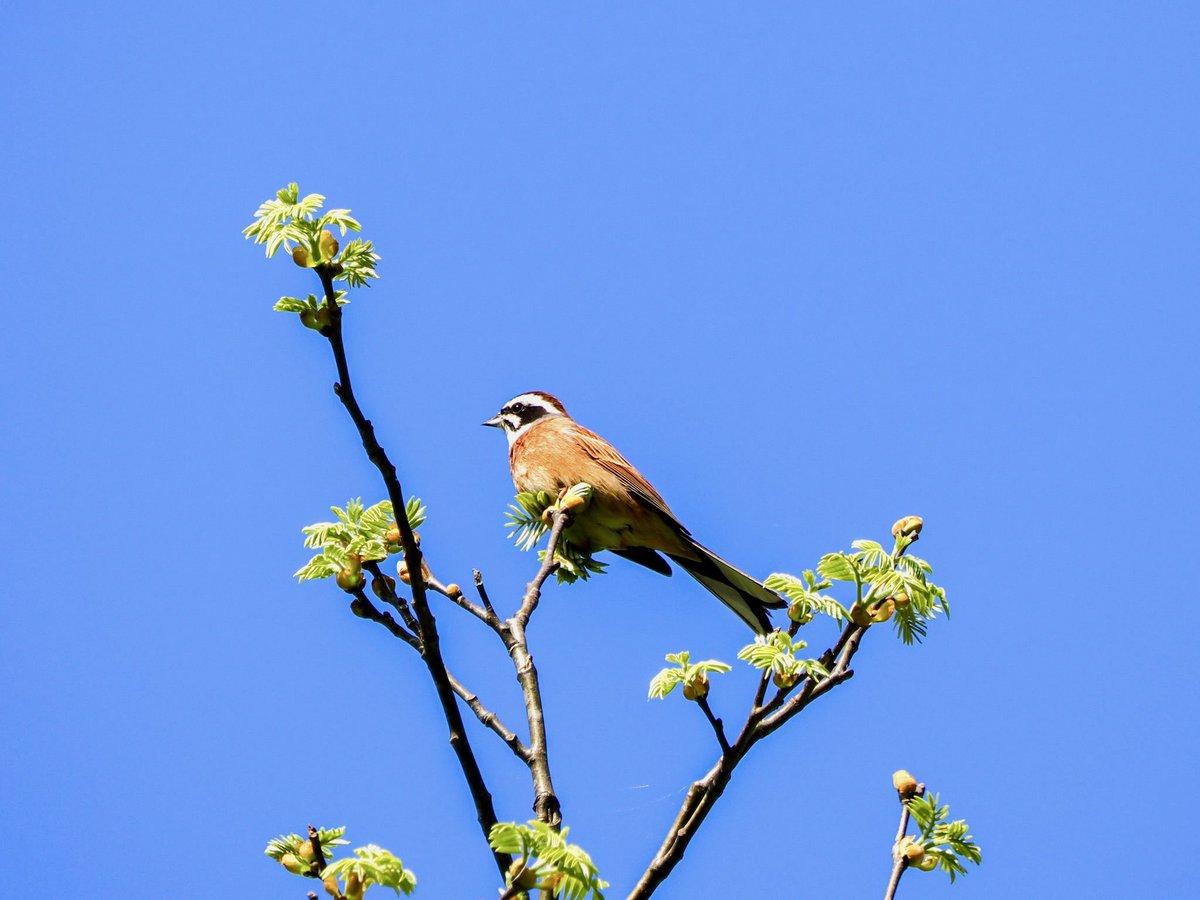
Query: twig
{"type": "Point", "coordinates": [365, 609]}
{"type": "Point", "coordinates": [703, 794]}
{"type": "Point", "coordinates": [483, 595]}
{"type": "Point", "coordinates": [427, 625]}
{"type": "Point", "coordinates": [717, 725]}
{"type": "Point", "coordinates": [533, 591]}
{"type": "Point", "coordinates": [899, 860]}
{"type": "Point", "coordinates": [490, 720]}
{"type": "Point", "coordinates": [457, 596]}
{"type": "Point", "coordinates": [512, 631]}
{"type": "Point", "coordinates": [392, 599]}
{"type": "Point", "coordinates": [314, 838]}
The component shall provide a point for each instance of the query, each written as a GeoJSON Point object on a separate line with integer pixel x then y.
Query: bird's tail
{"type": "Point", "coordinates": [733, 587]}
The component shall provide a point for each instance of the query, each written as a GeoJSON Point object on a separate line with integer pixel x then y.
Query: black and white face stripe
{"type": "Point", "coordinates": [523, 411]}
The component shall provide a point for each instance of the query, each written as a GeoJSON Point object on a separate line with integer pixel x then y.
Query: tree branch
{"type": "Point", "coordinates": [427, 625]}
{"type": "Point", "coordinates": [314, 838]}
{"type": "Point", "coordinates": [899, 860]}
{"type": "Point", "coordinates": [512, 631]}
{"type": "Point", "coordinates": [483, 595]}
{"type": "Point", "coordinates": [533, 591]}
{"type": "Point", "coordinates": [454, 592]}
{"type": "Point", "coordinates": [717, 725]}
{"type": "Point", "coordinates": [703, 794]}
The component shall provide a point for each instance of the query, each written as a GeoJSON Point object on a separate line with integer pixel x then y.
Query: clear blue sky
{"type": "Point", "coordinates": [811, 267]}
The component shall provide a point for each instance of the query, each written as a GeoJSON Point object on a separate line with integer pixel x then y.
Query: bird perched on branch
{"type": "Point", "coordinates": [549, 451]}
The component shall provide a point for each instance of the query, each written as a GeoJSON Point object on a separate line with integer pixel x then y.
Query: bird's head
{"type": "Point", "coordinates": [523, 410]}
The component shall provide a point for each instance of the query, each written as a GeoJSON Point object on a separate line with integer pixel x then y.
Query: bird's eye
{"type": "Point", "coordinates": [518, 407]}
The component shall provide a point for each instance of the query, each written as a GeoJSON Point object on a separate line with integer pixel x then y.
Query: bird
{"type": "Point", "coordinates": [550, 451]}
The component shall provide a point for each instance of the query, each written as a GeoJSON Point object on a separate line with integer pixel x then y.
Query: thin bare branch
{"type": "Point", "coordinates": [393, 599]}
{"type": "Point", "coordinates": [483, 594]}
{"type": "Point", "coordinates": [314, 838]}
{"type": "Point", "coordinates": [490, 720]}
{"type": "Point", "coordinates": [512, 631]}
{"type": "Point", "coordinates": [427, 625]}
{"type": "Point", "coordinates": [454, 592]}
{"type": "Point", "coordinates": [365, 609]}
{"type": "Point", "coordinates": [703, 794]}
{"type": "Point", "coordinates": [717, 725]}
{"type": "Point", "coordinates": [899, 860]}
{"type": "Point", "coordinates": [533, 592]}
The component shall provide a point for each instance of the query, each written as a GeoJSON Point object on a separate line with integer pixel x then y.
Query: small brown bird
{"type": "Point", "coordinates": [549, 451]}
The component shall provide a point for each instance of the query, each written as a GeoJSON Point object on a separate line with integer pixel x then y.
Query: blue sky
{"type": "Point", "coordinates": [810, 266]}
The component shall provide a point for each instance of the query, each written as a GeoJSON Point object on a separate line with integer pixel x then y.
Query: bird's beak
{"type": "Point", "coordinates": [494, 421]}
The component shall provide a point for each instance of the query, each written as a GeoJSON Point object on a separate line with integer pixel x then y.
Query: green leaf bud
{"type": "Point", "coordinates": [348, 579]}
{"type": "Point", "coordinates": [328, 244]}
{"type": "Point", "coordinates": [520, 877]}
{"type": "Point", "coordinates": [292, 863]}
{"type": "Point", "coordinates": [697, 688]}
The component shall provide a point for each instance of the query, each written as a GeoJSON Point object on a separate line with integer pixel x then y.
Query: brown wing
{"type": "Point", "coordinates": [606, 455]}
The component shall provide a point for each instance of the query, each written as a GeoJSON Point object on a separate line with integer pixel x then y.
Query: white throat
{"type": "Point", "coordinates": [513, 429]}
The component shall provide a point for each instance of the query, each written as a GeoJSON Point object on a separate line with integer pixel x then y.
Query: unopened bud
{"type": "Point", "coordinates": [576, 498]}
{"type": "Point", "coordinates": [785, 680]}
{"type": "Point", "coordinates": [900, 599]}
{"type": "Point", "coordinates": [522, 879]}
{"type": "Point", "coordinates": [392, 535]}
{"type": "Point", "coordinates": [331, 886]}
{"type": "Point", "coordinates": [884, 611]}
{"type": "Point", "coordinates": [904, 783]}
{"type": "Point", "coordinates": [799, 613]}
{"type": "Point", "coordinates": [300, 256]}
{"type": "Point", "coordinates": [909, 526]}
{"type": "Point", "coordinates": [453, 590]}
{"type": "Point", "coordinates": [292, 863]}
{"type": "Point", "coordinates": [382, 585]}
{"type": "Point", "coordinates": [405, 574]}
{"type": "Point", "coordinates": [927, 863]}
{"type": "Point", "coordinates": [306, 851]}
{"type": "Point", "coordinates": [349, 580]}
{"type": "Point", "coordinates": [859, 616]}
{"type": "Point", "coordinates": [697, 688]}
{"type": "Point", "coordinates": [329, 245]}
{"type": "Point", "coordinates": [309, 319]}
{"type": "Point", "coordinates": [914, 852]}
{"type": "Point", "coordinates": [354, 887]}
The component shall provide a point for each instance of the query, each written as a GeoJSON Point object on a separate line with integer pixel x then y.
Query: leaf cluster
{"type": "Point", "coordinates": [805, 594]}
{"type": "Point", "coordinates": [296, 305]}
{"type": "Point", "coordinates": [291, 843]}
{"type": "Point", "coordinates": [527, 525]}
{"type": "Point", "coordinates": [948, 843]}
{"type": "Point", "coordinates": [887, 585]}
{"type": "Point", "coordinates": [358, 530]}
{"type": "Point", "coordinates": [777, 653]}
{"type": "Point", "coordinates": [565, 870]}
{"type": "Point", "coordinates": [684, 672]}
{"type": "Point", "coordinates": [289, 221]}
{"type": "Point", "coordinates": [373, 865]}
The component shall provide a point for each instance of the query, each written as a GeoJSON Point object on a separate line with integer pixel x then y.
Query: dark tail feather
{"type": "Point", "coordinates": [733, 587]}
{"type": "Point", "coordinates": [644, 556]}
